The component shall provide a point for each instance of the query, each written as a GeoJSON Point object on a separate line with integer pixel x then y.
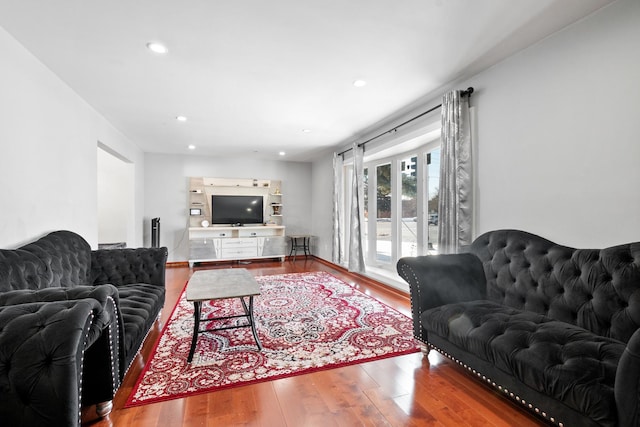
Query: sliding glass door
{"type": "Point", "coordinates": [383, 213]}
{"type": "Point", "coordinates": [408, 236]}
{"type": "Point", "coordinates": [401, 197]}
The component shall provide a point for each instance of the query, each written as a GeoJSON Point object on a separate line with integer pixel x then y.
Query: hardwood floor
{"type": "Point", "coordinates": [401, 391]}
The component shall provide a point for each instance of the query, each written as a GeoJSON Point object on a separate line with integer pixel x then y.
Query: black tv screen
{"type": "Point", "coordinates": [236, 209]}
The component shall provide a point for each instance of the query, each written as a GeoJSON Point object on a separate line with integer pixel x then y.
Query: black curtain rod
{"type": "Point", "coordinates": [467, 92]}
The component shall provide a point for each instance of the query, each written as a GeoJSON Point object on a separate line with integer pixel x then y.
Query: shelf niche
{"type": "Point", "coordinates": [202, 188]}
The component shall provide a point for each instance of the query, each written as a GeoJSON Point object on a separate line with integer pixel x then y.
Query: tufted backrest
{"type": "Point", "coordinates": [596, 289]}
{"type": "Point", "coordinates": [66, 255]}
{"type": "Point", "coordinates": [22, 270]}
{"type": "Point", "coordinates": [125, 266]}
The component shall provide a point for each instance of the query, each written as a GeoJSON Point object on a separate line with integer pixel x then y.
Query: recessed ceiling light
{"type": "Point", "coordinates": [157, 47]}
{"type": "Point", "coordinates": [306, 130]}
{"type": "Point", "coordinates": [191, 147]}
{"type": "Point", "coordinates": [359, 83]}
{"type": "Point", "coordinates": [181, 118]}
{"type": "Point", "coordinates": [282, 153]}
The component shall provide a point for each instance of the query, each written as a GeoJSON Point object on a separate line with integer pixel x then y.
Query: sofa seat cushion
{"type": "Point", "coordinates": [140, 304]}
{"type": "Point", "coordinates": [557, 359]}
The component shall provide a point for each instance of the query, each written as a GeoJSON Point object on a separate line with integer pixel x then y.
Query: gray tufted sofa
{"type": "Point", "coordinates": [125, 289]}
{"type": "Point", "coordinates": [551, 327]}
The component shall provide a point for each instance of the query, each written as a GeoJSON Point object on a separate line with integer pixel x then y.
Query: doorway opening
{"type": "Point", "coordinates": [115, 194]}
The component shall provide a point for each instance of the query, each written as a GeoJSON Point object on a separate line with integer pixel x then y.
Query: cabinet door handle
{"type": "Point", "coordinates": [253, 234]}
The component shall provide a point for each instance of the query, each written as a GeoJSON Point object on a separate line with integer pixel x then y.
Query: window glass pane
{"type": "Point", "coordinates": [383, 213]}
{"type": "Point", "coordinates": [433, 181]}
{"type": "Point", "coordinates": [409, 200]}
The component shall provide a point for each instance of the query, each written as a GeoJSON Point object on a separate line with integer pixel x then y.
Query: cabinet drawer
{"type": "Point", "coordinates": [238, 243]}
{"type": "Point", "coordinates": [208, 233]}
{"type": "Point", "coordinates": [258, 232]}
{"type": "Point", "coordinates": [239, 252]}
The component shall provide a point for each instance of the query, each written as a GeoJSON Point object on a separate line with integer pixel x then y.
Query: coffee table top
{"type": "Point", "coordinates": [219, 284]}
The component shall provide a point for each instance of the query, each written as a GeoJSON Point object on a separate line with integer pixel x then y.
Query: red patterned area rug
{"type": "Point", "coordinates": [305, 321]}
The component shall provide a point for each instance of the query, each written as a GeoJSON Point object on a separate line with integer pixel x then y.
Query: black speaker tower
{"type": "Point", "coordinates": [155, 232]}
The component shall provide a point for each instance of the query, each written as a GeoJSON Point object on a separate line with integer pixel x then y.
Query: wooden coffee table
{"type": "Point", "coordinates": [207, 285]}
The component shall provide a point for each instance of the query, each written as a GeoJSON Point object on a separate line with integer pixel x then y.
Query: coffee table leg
{"type": "Point", "coordinates": [197, 308]}
{"type": "Point", "coordinates": [249, 312]}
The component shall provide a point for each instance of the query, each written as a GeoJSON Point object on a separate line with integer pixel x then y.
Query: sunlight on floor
{"type": "Point", "coordinates": [435, 358]}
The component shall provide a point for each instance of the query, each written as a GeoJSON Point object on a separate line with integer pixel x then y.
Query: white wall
{"type": "Point", "coordinates": [48, 137]}
{"type": "Point", "coordinates": [167, 184]}
{"type": "Point", "coordinates": [558, 137]}
{"type": "Point", "coordinates": [115, 199]}
{"type": "Point", "coordinates": [322, 206]}
{"type": "Point", "coordinates": [559, 134]}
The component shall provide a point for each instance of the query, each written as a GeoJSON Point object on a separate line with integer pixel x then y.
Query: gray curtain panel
{"type": "Point", "coordinates": [456, 186]}
{"type": "Point", "coordinates": [337, 253]}
{"type": "Point", "coordinates": [356, 252]}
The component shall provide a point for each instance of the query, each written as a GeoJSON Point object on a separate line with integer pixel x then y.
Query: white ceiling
{"type": "Point", "coordinates": [250, 75]}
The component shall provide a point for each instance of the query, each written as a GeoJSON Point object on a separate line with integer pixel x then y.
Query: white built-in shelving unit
{"type": "Point", "coordinates": [225, 242]}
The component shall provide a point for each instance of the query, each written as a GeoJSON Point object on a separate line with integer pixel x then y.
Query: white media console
{"type": "Point", "coordinates": [221, 243]}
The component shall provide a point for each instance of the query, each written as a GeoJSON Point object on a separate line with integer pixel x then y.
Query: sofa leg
{"type": "Point", "coordinates": [424, 349]}
{"type": "Point", "coordinates": [104, 408]}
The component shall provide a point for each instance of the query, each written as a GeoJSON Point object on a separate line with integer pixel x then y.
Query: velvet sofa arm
{"type": "Point", "coordinates": [435, 280]}
{"type": "Point", "coordinates": [627, 386]}
{"type": "Point", "coordinates": [107, 332]}
{"type": "Point", "coordinates": [42, 346]}
{"type": "Point", "coordinates": [106, 295]}
{"type": "Point", "coordinates": [125, 266]}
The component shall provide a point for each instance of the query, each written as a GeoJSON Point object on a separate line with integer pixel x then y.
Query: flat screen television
{"type": "Point", "coordinates": [236, 210]}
